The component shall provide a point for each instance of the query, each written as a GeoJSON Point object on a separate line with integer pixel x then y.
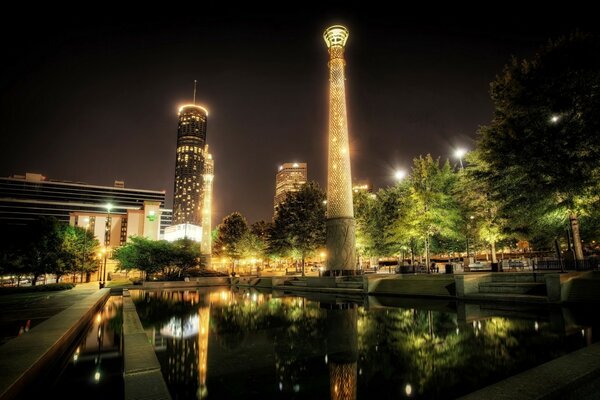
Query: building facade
{"type": "Point", "coordinates": [114, 229]}
{"type": "Point", "coordinates": [189, 165]}
{"type": "Point", "coordinates": [25, 198]}
{"type": "Point", "coordinates": [289, 178]}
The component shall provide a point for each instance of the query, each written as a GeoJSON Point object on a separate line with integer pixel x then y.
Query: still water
{"type": "Point", "coordinates": [224, 344]}
{"type": "Point", "coordinates": [93, 368]}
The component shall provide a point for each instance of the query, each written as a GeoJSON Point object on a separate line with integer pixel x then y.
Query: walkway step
{"type": "Point", "coordinates": [355, 285]}
{"type": "Point", "coordinates": [511, 298]}
{"type": "Point", "coordinates": [142, 376]}
{"type": "Point", "coordinates": [531, 288]}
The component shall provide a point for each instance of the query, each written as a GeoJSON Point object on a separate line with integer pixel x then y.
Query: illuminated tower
{"type": "Point", "coordinates": [208, 175]}
{"type": "Point", "coordinates": [340, 212]}
{"type": "Point", "coordinates": [189, 164]}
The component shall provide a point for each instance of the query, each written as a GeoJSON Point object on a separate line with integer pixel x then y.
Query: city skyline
{"type": "Point", "coordinates": [99, 89]}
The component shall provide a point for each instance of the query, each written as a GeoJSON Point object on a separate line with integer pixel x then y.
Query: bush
{"type": "Point", "coordinates": [52, 287]}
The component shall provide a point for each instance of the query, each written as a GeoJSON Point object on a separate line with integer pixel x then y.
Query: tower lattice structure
{"type": "Point", "coordinates": [341, 258]}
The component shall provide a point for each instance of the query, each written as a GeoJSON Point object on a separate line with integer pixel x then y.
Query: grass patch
{"type": "Point", "coordinates": [51, 287]}
{"type": "Point", "coordinates": [119, 283]}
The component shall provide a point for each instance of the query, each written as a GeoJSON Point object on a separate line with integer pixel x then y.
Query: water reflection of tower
{"type": "Point", "coordinates": [203, 327]}
{"type": "Point", "coordinates": [342, 350]}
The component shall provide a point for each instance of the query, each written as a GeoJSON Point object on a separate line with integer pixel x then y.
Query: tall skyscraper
{"type": "Point", "coordinates": [289, 178]}
{"type": "Point", "coordinates": [189, 165]}
{"type": "Point", "coordinates": [341, 259]}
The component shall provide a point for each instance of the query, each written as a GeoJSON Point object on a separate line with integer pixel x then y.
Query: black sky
{"type": "Point", "coordinates": [94, 98]}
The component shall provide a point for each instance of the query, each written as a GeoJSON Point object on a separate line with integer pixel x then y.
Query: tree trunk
{"type": "Point", "coordinates": [427, 253]}
{"type": "Point", "coordinates": [494, 258]}
{"type": "Point", "coordinates": [302, 264]}
{"type": "Point", "coordinates": [576, 237]}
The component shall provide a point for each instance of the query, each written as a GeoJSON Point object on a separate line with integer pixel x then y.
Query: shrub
{"type": "Point", "coordinates": [38, 288]}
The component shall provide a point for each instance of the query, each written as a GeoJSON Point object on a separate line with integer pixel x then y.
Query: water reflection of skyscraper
{"type": "Point", "coordinates": [342, 351]}
{"type": "Point", "coordinates": [186, 348]}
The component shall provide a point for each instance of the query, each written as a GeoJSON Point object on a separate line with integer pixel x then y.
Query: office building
{"type": "Point", "coordinates": [290, 177]}
{"type": "Point", "coordinates": [25, 198]}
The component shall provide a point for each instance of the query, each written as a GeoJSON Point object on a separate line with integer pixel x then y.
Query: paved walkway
{"type": "Point", "coordinates": [24, 311]}
{"type": "Point", "coordinates": [23, 358]}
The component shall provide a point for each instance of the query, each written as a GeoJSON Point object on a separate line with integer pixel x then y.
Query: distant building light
{"type": "Point", "coordinates": [181, 231]}
{"type": "Point", "coordinates": [296, 165]}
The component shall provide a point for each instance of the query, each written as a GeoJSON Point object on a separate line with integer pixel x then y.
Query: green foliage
{"type": "Point", "coordinates": [185, 254]}
{"type": "Point", "coordinates": [252, 246]}
{"type": "Point", "coordinates": [231, 231]}
{"type": "Point", "coordinates": [170, 259]}
{"type": "Point", "coordinates": [299, 225]}
{"type": "Point", "coordinates": [428, 208]}
{"type": "Point", "coordinates": [50, 247]}
{"type": "Point", "coordinates": [541, 152]}
{"type": "Point", "coordinates": [479, 210]}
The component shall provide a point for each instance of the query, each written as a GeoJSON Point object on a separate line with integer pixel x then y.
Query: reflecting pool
{"type": "Point", "coordinates": [93, 368]}
{"type": "Point", "coordinates": [224, 344]}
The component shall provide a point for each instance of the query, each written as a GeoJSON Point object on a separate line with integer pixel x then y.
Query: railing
{"type": "Point", "coordinates": [567, 265]}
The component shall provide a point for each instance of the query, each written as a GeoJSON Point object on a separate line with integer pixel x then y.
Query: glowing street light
{"type": "Point", "coordinates": [400, 174]}
{"type": "Point", "coordinates": [460, 153]}
{"type": "Point", "coordinates": [555, 118]}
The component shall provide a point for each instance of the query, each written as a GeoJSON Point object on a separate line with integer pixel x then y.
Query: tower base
{"type": "Point", "coordinates": [205, 260]}
{"type": "Point", "coordinates": [341, 255]}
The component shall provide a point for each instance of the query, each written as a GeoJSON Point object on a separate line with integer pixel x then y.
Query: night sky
{"type": "Point", "coordinates": [94, 98]}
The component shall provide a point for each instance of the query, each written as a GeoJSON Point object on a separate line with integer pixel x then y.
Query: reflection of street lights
{"type": "Point", "coordinates": [460, 153]}
{"type": "Point", "coordinates": [97, 373]}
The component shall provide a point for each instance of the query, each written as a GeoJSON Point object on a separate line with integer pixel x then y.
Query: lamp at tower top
{"type": "Point", "coordinates": [193, 106]}
{"type": "Point", "coordinates": [336, 35]}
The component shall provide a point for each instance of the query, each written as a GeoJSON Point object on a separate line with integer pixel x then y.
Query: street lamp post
{"type": "Point", "coordinates": [460, 153]}
{"type": "Point", "coordinates": [106, 243]}
{"type": "Point", "coordinates": [87, 224]}
{"type": "Point", "coordinates": [468, 231]}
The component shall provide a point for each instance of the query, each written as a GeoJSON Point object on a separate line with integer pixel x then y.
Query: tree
{"type": "Point", "coordinates": [299, 224]}
{"type": "Point", "coordinates": [231, 231]}
{"type": "Point", "coordinates": [434, 210]}
{"type": "Point", "coordinates": [480, 211]}
{"type": "Point", "coordinates": [542, 148]}
{"type": "Point", "coordinates": [41, 251]}
{"type": "Point", "coordinates": [252, 246]}
{"type": "Point", "coordinates": [146, 255]}
{"type": "Point", "coordinates": [185, 254]}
